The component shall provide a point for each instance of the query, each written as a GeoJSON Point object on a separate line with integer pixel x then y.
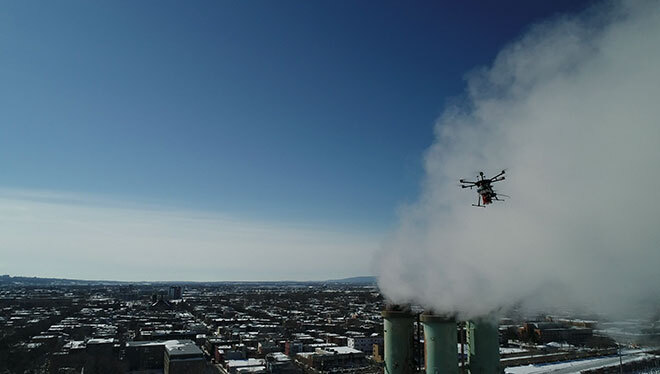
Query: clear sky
{"type": "Point", "coordinates": [277, 113]}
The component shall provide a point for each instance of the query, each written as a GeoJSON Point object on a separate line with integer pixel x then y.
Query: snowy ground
{"type": "Point", "coordinates": [576, 366]}
{"type": "Point", "coordinates": [511, 350]}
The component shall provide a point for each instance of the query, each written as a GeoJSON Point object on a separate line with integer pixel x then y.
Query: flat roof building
{"type": "Point", "coordinates": [183, 356]}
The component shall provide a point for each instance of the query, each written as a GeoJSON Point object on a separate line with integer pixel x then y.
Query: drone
{"type": "Point", "coordinates": [484, 188]}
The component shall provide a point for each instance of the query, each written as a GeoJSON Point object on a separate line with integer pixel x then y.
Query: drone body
{"type": "Point", "coordinates": [484, 188]}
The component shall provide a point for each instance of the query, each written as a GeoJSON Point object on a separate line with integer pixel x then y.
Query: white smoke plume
{"type": "Point", "coordinates": [572, 109]}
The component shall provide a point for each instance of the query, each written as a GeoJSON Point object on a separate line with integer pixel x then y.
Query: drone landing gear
{"type": "Point", "coordinates": [478, 204]}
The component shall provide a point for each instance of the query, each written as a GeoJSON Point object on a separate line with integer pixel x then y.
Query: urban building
{"type": "Point", "coordinates": [364, 343]}
{"type": "Point", "coordinates": [182, 357]}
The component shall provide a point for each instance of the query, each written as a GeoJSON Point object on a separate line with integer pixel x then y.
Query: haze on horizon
{"type": "Point", "coordinates": [227, 141]}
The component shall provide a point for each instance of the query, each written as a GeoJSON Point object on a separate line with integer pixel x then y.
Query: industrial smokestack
{"type": "Point", "coordinates": [440, 344]}
{"type": "Point", "coordinates": [398, 330]}
{"type": "Point", "coordinates": [484, 343]}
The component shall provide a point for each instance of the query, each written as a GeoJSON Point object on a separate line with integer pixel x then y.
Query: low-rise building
{"type": "Point", "coordinates": [182, 357]}
{"type": "Point", "coordinates": [332, 358]}
{"type": "Point", "coordinates": [250, 365]}
{"type": "Point", "coordinates": [365, 343]}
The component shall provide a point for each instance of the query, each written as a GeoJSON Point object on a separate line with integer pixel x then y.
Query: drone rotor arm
{"type": "Point", "coordinates": [501, 173]}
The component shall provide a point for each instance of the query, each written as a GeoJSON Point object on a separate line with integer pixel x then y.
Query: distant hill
{"type": "Point", "coordinates": [366, 280]}
{"type": "Point", "coordinates": [36, 281]}
{"type": "Point", "coordinates": [7, 280]}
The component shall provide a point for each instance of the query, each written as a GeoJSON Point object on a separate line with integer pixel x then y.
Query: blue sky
{"type": "Point", "coordinates": [286, 112]}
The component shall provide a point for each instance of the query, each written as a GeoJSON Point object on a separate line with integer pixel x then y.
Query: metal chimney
{"type": "Point", "coordinates": [440, 344]}
{"type": "Point", "coordinates": [398, 330]}
{"type": "Point", "coordinates": [483, 340]}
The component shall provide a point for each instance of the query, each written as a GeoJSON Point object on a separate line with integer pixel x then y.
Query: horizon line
{"type": "Point", "coordinates": [2, 276]}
